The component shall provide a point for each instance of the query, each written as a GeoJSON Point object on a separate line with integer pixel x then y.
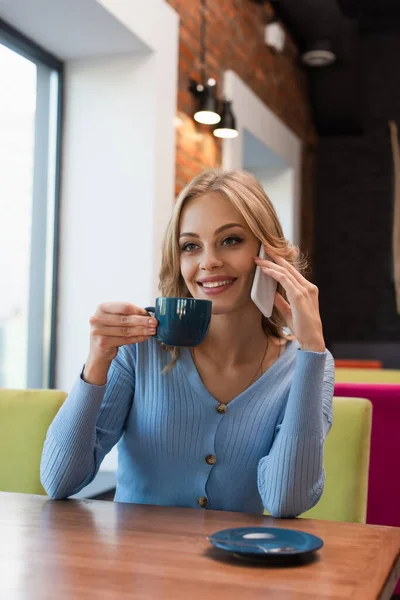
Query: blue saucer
{"type": "Point", "coordinates": [266, 542]}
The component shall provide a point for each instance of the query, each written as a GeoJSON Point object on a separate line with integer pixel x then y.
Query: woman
{"type": "Point", "coordinates": [237, 423]}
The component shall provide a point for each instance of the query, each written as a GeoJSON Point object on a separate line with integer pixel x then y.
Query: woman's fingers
{"type": "Point", "coordinates": [282, 306]}
{"type": "Point", "coordinates": [123, 331]}
{"type": "Point", "coordinates": [293, 289]}
{"type": "Point", "coordinates": [106, 343]}
{"type": "Point", "coordinates": [302, 313]}
{"type": "Point", "coordinates": [121, 308]}
{"type": "Point", "coordinates": [116, 313]}
{"type": "Point", "coordinates": [304, 288]}
{"type": "Point", "coordinates": [116, 324]}
{"type": "Point", "coordinates": [279, 260]}
{"type": "Point", "coordinates": [120, 320]}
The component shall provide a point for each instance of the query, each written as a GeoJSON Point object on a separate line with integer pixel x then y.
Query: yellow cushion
{"type": "Point", "coordinates": [25, 416]}
{"type": "Point", "coordinates": [346, 463]}
{"type": "Point", "coordinates": [367, 375]}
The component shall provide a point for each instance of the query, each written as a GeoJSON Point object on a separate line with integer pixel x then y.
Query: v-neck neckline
{"type": "Point", "coordinates": [199, 387]}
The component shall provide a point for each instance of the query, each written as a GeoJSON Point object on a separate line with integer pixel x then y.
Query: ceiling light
{"type": "Point", "coordinates": [319, 54]}
{"type": "Point", "coordinates": [227, 127]}
{"type": "Point", "coordinates": [207, 110]}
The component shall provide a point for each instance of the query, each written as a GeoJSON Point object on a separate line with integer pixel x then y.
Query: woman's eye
{"type": "Point", "coordinates": [232, 241]}
{"type": "Point", "coordinates": [189, 247]}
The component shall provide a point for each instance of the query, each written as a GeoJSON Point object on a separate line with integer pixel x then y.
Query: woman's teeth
{"type": "Point", "coordinates": [214, 284]}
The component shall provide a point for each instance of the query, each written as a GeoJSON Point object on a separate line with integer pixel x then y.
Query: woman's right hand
{"type": "Point", "coordinates": [114, 324]}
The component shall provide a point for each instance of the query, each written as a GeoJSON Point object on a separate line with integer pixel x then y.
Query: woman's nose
{"type": "Point", "coordinates": [210, 260]}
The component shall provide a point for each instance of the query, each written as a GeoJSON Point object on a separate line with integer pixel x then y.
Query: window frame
{"type": "Point", "coordinates": [43, 375]}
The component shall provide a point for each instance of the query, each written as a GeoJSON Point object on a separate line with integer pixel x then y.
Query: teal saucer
{"type": "Point", "coordinates": [265, 542]}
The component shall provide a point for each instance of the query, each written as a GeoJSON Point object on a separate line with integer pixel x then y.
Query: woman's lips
{"type": "Point", "coordinates": [216, 287]}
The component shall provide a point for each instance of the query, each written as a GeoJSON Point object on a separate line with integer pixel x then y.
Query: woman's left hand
{"type": "Point", "coordinates": [301, 313]}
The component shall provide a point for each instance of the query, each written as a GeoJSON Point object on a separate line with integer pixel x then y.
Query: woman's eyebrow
{"type": "Point", "coordinates": [222, 228]}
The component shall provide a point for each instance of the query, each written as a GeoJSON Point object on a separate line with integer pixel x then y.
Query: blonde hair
{"type": "Point", "coordinates": [250, 199]}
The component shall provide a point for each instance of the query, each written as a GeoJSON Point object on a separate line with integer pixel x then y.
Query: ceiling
{"type": "Point", "coordinates": [70, 29]}
{"type": "Point", "coordinates": [373, 15]}
{"type": "Point", "coordinates": [336, 91]}
{"type": "Point", "coordinates": [353, 8]}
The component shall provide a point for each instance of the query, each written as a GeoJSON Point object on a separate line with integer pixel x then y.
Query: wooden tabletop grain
{"type": "Point", "coordinates": [90, 549]}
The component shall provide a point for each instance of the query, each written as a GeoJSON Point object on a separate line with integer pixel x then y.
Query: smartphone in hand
{"type": "Point", "coordinates": [264, 288]}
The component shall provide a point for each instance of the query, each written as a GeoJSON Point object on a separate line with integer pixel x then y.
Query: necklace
{"type": "Point", "coordinates": [259, 368]}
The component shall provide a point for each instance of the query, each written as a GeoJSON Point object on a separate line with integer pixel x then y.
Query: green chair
{"type": "Point", "coordinates": [25, 416]}
{"type": "Point", "coordinates": [346, 463]}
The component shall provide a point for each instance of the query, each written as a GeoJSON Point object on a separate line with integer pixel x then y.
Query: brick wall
{"type": "Point", "coordinates": [234, 40]}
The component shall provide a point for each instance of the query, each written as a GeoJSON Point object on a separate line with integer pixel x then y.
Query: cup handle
{"type": "Point", "coordinates": [152, 309]}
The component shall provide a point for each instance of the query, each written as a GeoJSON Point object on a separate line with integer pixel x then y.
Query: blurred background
{"type": "Point", "coordinates": [108, 109]}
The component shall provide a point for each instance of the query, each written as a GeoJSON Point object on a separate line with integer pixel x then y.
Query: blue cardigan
{"type": "Point", "coordinates": [177, 446]}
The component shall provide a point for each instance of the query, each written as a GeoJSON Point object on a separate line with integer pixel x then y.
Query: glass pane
{"type": "Point", "coordinates": [17, 140]}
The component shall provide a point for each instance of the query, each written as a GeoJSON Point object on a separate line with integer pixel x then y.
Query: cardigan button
{"type": "Point", "coordinates": [202, 501]}
{"type": "Point", "coordinates": [210, 459]}
{"type": "Point", "coordinates": [221, 408]}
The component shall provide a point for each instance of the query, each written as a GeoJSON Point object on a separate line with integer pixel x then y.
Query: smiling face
{"type": "Point", "coordinates": [217, 251]}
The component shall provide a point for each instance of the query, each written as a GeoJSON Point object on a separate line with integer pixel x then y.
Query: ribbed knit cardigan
{"type": "Point", "coordinates": [178, 446]}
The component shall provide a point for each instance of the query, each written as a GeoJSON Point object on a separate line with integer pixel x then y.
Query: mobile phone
{"type": "Point", "coordinates": [264, 288]}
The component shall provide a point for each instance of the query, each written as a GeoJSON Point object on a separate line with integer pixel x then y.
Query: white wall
{"type": "Point", "coordinates": [279, 142]}
{"type": "Point", "coordinates": [157, 25]}
{"type": "Point", "coordinates": [118, 179]}
{"type": "Point", "coordinates": [108, 203]}
{"type": "Point", "coordinates": [279, 185]}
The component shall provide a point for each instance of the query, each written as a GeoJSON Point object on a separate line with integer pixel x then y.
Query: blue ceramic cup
{"type": "Point", "coordinates": [182, 321]}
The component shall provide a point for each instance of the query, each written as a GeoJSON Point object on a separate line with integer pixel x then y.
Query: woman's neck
{"type": "Point", "coordinates": [234, 338]}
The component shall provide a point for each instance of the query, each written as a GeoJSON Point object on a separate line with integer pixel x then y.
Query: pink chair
{"type": "Point", "coordinates": [383, 507]}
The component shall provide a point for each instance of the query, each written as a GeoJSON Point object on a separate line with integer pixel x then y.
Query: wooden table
{"type": "Point", "coordinates": [77, 550]}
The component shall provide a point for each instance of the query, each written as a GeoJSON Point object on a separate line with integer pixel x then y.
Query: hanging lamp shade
{"type": "Point", "coordinates": [319, 54]}
{"type": "Point", "coordinates": [227, 126]}
{"type": "Point", "coordinates": [207, 110]}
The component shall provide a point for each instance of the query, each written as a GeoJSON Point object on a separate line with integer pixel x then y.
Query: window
{"type": "Point", "coordinates": [30, 116]}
